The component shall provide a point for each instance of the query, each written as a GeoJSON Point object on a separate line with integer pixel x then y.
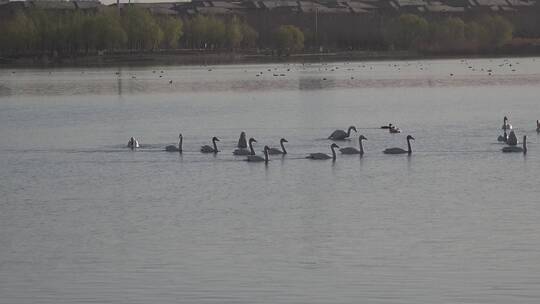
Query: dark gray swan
{"type": "Point", "coordinates": [243, 151]}
{"type": "Point", "coordinates": [274, 151]}
{"type": "Point", "coordinates": [341, 135]}
{"type": "Point", "coordinates": [173, 148]}
{"type": "Point", "coordinates": [209, 149]}
{"type": "Point", "coordinates": [517, 149]}
{"type": "Point", "coordinates": [399, 150]}
{"type": "Point", "coordinates": [258, 158]}
{"type": "Point", "coordinates": [352, 150]}
{"type": "Point", "coordinates": [323, 156]}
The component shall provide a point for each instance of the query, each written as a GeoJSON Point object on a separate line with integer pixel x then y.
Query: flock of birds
{"type": "Point", "coordinates": [245, 148]}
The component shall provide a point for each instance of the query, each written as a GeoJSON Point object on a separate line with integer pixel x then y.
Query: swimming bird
{"type": "Point", "coordinates": [394, 129]}
{"type": "Point", "coordinates": [399, 150]}
{"type": "Point", "coordinates": [512, 139]}
{"type": "Point", "coordinates": [243, 151]}
{"type": "Point", "coordinates": [352, 150]}
{"type": "Point", "coordinates": [506, 125]}
{"type": "Point", "coordinates": [517, 149]}
{"type": "Point", "coordinates": [258, 158]}
{"type": "Point", "coordinates": [538, 126]}
{"type": "Point", "coordinates": [242, 141]}
{"type": "Point", "coordinates": [274, 151]}
{"type": "Point", "coordinates": [173, 148]}
{"type": "Point", "coordinates": [133, 143]}
{"type": "Point", "coordinates": [340, 134]}
{"type": "Point", "coordinates": [209, 149]}
{"type": "Point", "coordinates": [323, 156]}
{"type": "Point", "coordinates": [503, 138]}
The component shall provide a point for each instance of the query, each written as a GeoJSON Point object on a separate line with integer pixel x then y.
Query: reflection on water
{"type": "Point", "coordinates": [84, 219]}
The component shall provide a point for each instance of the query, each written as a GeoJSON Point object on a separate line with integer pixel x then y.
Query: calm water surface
{"type": "Point", "coordinates": [83, 219]}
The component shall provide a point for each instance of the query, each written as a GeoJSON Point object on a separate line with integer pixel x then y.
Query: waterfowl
{"type": "Point", "coordinates": [394, 129]}
{"type": "Point", "coordinates": [538, 126]}
{"type": "Point", "coordinates": [209, 149]}
{"type": "Point", "coordinates": [133, 143]}
{"type": "Point", "coordinates": [517, 149]}
{"type": "Point", "coordinates": [506, 125]}
{"type": "Point", "coordinates": [352, 150]}
{"type": "Point", "coordinates": [258, 158]}
{"type": "Point", "coordinates": [173, 148]}
{"type": "Point", "coordinates": [274, 151]}
{"type": "Point", "coordinates": [340, 134]}
{"type": "Point", "coordinates": [323, 156]}
{"type": "Point", "coordinates": [242, 141]}
{"type": "Point", "coordinates": [512, 139]}
{"type": "Point", "coordinates": [399, 150]}
{"type": "Point", "coordinates": [503, 138]}
{"type": "Point", "coordinates": [243, 151]}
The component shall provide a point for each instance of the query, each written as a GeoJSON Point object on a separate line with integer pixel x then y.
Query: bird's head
{"type": "Point", "coordinates": [410, 137]}
{"type": "Point", "coordinates": [283, 140]}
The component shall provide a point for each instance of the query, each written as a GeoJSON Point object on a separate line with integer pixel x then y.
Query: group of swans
{"type": "Point", "coordinates": [511, 139]}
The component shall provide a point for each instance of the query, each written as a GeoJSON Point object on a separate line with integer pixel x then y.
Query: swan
{"type": "Point", "coordinates": [257, 158]}
{"type": "Point", "coordinates": [352, 150]}
{"type": "Point", "coordinates": [503, 138]}
{"type": "Point", "coordinates": [340, 134]}
{"type": "Point", "coordinates": [538, 126]}
{"type": "Point", "coordinates": [517, 149]}
{"type": "Point", "coordinates": [274, 151]}
{"type": "Point", "coordinates": [506, 125]}
{"type": "Point", "coordinates": [209, 149]}
{"type": "Point", "coordinates": [399, 150]}
{"type": "Point", "coordinates": [243, 151]}
{"type": "Point", "coordinates": [242, 141]}
{"type": "Point", "coordinates": [173, 148]}
{"type": "Point", "coordinates": [133, 143]}
{"type": "Point", "coordinates": [322, 156]}
{"type": "Point", "coordinates": [512, 139]}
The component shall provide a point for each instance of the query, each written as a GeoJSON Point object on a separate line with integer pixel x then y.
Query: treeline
{"type": "Point", "coordinates": [448, 35]}
{"type": "Point", "coordinates": [64, 33]}
{"type": "Point", "coordinates": [31, 32]}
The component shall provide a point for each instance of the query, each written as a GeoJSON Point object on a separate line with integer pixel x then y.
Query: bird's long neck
{"type": "Point", "coordinates": [266, 155]}
{"type": "Point", "coordinates": [349, 132]}
{"type": "Point", "coordinates": [283, 148]}
{"type": "Point", "coordinates": [361, 147]}
{"type": "Point", "coordinates": [333, 153]}
{"type": "Point", "coordinates": [524, 145]}
{"type": "Point", "coordinates": [180, 145]}
{"type": "Point", "coordinates": [215, 146]}
{"type": "Point", "coordinates": [409, 145]}
{"type": "Point", "coordinates": [252, 151]}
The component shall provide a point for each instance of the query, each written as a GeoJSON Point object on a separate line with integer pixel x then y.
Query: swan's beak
{"type": "Point", "coordinates": [412, 138]}
{"type": "Point", "coordinates": [284, 140]}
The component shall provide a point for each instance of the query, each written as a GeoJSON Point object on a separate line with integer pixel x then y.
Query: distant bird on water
{"type": "Point", "coordinates": [209, 149]}
{"type": "Point", "coordinates": [341, 134]}
{"type": "Point", "coordinates": [517, 149]}
{"type": "Point", "coordinates": [352, 150]}
{"type": "Point", "coordinates": [173, 148]}
{"type": "Point", "coordinates": [324, 156]}
{"type": "Point", "coordinates": [133, 143]}
{"type": "Point", "coordinates": [399, 150]}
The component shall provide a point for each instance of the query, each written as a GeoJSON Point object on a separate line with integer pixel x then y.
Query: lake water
{"type": "Point", "coordinates": [84, 219]}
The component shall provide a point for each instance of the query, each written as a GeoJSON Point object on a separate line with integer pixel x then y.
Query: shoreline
{"type": "Point", "coordinates": [191, 57]}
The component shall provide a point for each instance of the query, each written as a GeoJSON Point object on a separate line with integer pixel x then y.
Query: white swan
{"type": "Point", "coordinates": [503, 138]}
{"type": "Point", "coordinates": [538, 126]}
{"type": "Point", "coordinates": [517, 149]}
{"type": "Point", "coordinates": [209, 149]}
{"type": "Point", "coordinates": [257, 158]}
{"type": "Point", "coordinates": [506, 125]}
{"type": "Point", "coordinates": [133, 143]}
{"type": "Point", "coordinates": [274, 151]}
{"type": "Point", "coordinates": [399, 150]}
{"type": "Point", "coordinates": [243, 151]}
{"type": "Point", "coordinates": [512, 139]}
{"type": "Point", "coordinates": [323, 156]}
{"type": "Point", "coordinates": [352, 150]}
{"type": "Point", "coordinates": [173, 148]}
{"type": "Point", "coordinates": [341, 135]}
